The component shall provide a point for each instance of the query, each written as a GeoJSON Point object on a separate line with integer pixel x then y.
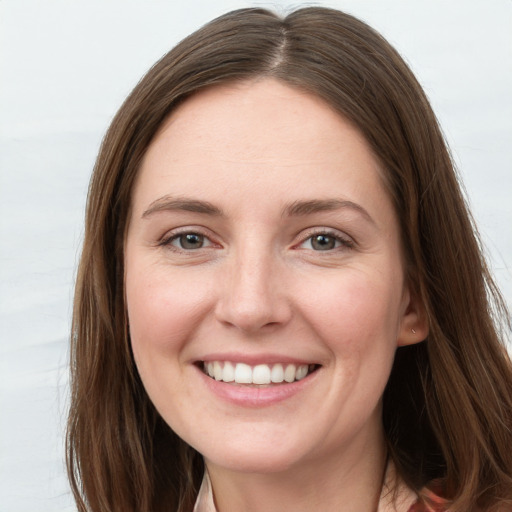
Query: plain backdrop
{"type": "Point", "coordinates": [65, 68]}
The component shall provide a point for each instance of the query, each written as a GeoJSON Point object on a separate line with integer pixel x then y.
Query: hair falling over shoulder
{"type": "Point", "coordinates": [448, 403]}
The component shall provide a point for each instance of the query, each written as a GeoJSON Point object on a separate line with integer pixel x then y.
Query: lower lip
{"type": "Point", "coordinates": [249, 396]}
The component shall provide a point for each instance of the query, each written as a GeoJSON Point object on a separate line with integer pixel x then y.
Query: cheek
{"type": "Point", "coordinates": [162, 312]}
{"type": "Point", "coordinates": [163, 317]}
{"type": "Point", "coordinates": [354, 308]}
{"type": "Point", "coordinates": [356, 316]}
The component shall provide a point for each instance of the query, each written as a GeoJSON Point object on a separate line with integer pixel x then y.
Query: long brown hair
{"type": "Point", "coordinates": [447, 406]}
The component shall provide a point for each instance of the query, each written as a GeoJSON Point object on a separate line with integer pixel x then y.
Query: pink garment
{"type": "Point", "coordinates": [432, 502]}
{"type": "Point", "coordinates": [406, 499]}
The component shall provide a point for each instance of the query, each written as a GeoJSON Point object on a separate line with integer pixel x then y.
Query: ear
{"type": "Point", "coordinates": [414, 322]}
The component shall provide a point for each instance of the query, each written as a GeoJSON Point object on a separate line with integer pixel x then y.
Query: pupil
{"type": "Point", "coordinates": [323, 242]}
{"type": "Point", "coordinates": [191, 241]}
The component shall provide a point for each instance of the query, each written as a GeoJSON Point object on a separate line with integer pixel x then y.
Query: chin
{"type": "Point", "coordinates": [255, 459]}
{"type": "Point", "coordinates": [253, 464]}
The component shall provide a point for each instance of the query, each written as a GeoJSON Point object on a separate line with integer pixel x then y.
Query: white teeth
{"type": "Point", "coordinates": [229, 372]}
{"type": "Point", "coordinates": [262, 374]}
{"type": "Point", "coordinates": [243, 373]}
{"type": "Point", "coordinates": [302, 371]}
{"type": "Point", "coordinates": [289, 373]}
{"type": "Point", "coordinates": [217, 370]}
{"type": "Point", "coordinates": [277, 373]}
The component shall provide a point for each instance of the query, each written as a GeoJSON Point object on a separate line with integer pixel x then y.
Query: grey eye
{"type": "Point", "coordinates": [323, 242]}
{"type": "Point", "coordinates": [189, 241]}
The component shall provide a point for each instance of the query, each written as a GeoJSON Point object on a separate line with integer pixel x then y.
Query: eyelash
{"type": "Point", "coordinates": [167, 240]}
{"type": "Point", "coordinates": [344, 241]}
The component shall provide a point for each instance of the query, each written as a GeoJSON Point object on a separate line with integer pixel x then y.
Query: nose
{"type": "Point", "coordinates": [253, 296]}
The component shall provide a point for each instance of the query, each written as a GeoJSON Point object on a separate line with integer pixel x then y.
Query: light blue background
{"type": "Point", "coordinates": [65, 68]}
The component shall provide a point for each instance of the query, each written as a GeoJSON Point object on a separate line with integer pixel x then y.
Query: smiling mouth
{"type": "Point", "coordinates": [260, 374]}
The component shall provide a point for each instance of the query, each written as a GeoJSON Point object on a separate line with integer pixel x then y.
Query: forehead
{"type": "Point", "coordinates": [258, 136]}
{"type": "Point", "coordinates": [256, 115]}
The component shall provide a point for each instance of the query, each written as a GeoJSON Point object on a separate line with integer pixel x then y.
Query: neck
{"type": "Point", "coordinates": [347, 480]}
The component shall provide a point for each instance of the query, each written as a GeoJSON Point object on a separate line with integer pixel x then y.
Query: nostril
{"type": "Point", "coordinates": [252, 316]}
{"type": "Point", "coordinates": [252, 295]}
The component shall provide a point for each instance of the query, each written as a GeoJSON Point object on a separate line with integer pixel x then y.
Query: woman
{"type": "Point", "coordinates": [281, 301]}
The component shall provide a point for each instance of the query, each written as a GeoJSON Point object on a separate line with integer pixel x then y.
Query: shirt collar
{"type": "Point", "coordinates": [395, 495]}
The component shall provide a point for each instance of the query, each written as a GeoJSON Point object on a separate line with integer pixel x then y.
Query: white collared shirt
{"type": "Point", "coordinates": [390, 500]}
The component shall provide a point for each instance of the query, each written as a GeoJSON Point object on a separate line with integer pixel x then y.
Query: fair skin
{"type": "Point", "coordinates": [262, 241]}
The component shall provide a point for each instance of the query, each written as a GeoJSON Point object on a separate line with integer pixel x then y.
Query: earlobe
{"type": "Point", "coordinates": [414, 323]}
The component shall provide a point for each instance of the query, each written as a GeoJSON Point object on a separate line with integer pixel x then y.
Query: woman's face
{"type": "Point", "coordinates": [263, 248]}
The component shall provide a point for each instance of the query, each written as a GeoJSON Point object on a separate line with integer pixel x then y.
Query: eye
{"type": "Point", "coordinates": [188, 241]}
{"type": "Point", "coordinates": [325, 241]}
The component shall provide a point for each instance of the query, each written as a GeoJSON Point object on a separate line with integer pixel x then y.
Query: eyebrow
{"type": "Point", "coordinates": [295, 209]}
{"type": "Point", "coordinates": [168, 203]}
{"type": "Point", "coordinates": [300, 208]}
